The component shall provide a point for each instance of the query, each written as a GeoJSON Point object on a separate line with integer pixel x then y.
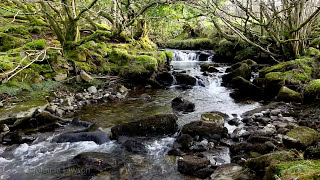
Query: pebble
{"type": "Point", "coordinates": [92, 90]}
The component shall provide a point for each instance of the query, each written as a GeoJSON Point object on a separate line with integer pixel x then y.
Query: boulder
{"type": "Point", "coordinates": [232, 172]}
{"type": "Point", "coordinates": [41, 119]}
{"type": "Point", "coordinates": [242, 70]}
{"type": "Point", "coordinates": [60, 77]}
{"type": "Point", "coordinates": [205, 129]}
{"type": "Point", "coordinates": [312, 91]}
{"type": "Point", "coordinates": [245, 87]}
{"type": "Point", "coordinates": [92, 90]}
{"type": "Point", "coordinates": [261, 162]}
{"type": "Point", "coordinates": [203, 56]}
{"type": "Point", "coordinates": [157, 125]}
{"type": "Point", "coordinates": [165, 78]}
{"type": "Point", "coordinates": [211, 68]}
{"type": "Point", "coordinates": [97, 162]}
{"type": "Point", "coordinates": [179, 104]}
{"type": "Point", "coordinates": [287, 95]}
{"type": "Point", "coordinates": [244, 147]}
{"type": "Point", "coordinates": [183, 142]}
{"type": "Point", "coordinates": [85, 76]}
{"type": "Point", "coordinates": [191, 164]}
{"type": "Point", "coordinates": [301, 137]}
{"type": "Point", "coordinates": [135, 146]}
{"type": "Point", "coordinates": [185, 79]}
{"type": "Point", "coordinates": [98, 137]}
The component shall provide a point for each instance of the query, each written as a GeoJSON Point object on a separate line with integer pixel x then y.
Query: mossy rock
{"type": "Point", "coordinates": [313, 52]}
{"type": "Point", "coordinates": [305, 135]}
{"type": "Point", "coordinates": [169, 55]}
{"type": "Point", "coordinates": [245, 87]}
{"type": "Point", "coordinates": [312, 91]}
{"type": "Point", "coordinates": [241, 70]}
{"type": "Point", "coordinates": [120, 56]}
{"type": "Point", "coordinates": [8, 42]}
{"type": "Point", "coordinates": [288, 95]}
{"type": "Point", "coordinates": [261, 162]}
{"type": "Point", "coordinates": [77, 55]}
{"type": "Point", "coordinates": [302, 170]}
{"type": "Point", "coordinates": [36, 44]}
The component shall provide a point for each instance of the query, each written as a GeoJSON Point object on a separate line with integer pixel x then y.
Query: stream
{"type": "Point", "coordinates": [46, 160]}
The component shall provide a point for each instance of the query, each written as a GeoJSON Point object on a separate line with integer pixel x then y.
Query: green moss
{"type": "Point", "coordinates": [8, 42]}
{"type": "Point", "coordinates": [78, 54]}
{"type": "Point", "coordinates": [148, 62]}
{"type": "Point", "coordinates": [120, 57]}
{"type": "Point", "coordinates": [261, 162]}
{"type": "Point", "coordinates": [169, 55]}
{"type": "Point", "coordinates": [305, 135]}
{"type": "Point", "coordinates": [15, 29]}
{"type": "Point", "coordinates": [288, 95]}
{"type": "Point", "coordinates": [200, 43]}
{"type": "Point", "coordinates": [313, 86]}
{"type": "Point", "coordinates": [36, 44]}
{"type": "Point", "coordinates": [303, 170]}
{"type": "Point", "coordinates": [313, 52]}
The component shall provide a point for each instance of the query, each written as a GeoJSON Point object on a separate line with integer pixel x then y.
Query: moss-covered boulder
{"type": "Point", "coordinates": [290, 73]}
{"type": "Point", "coordinates": [199, 43]}
{"type": "Point", "coordinates": [241, 70]}
{"type": "Point", "coordinates": [245, 87]}
{"type": "Point", "coordinates": [213, 117]}
{"type": "Point", "coordinates": [288, 95]}
{"type": "Point", "coordinates": [301, 137]}
{"type": "Point", "coordinates": [211, 68]}
{"type": "Point", "coordinates": [305, 169]}
{"type": "Point", "coordinates": [261, 162]}
{"type": "Point", "coordinates": [312, 91]}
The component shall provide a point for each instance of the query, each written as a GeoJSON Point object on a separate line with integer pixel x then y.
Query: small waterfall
{"type": "Point", "coordinates": [192, 55]}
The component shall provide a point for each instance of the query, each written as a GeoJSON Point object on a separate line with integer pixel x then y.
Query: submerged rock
{"type": "Point", "coordinates": [183, 142]}
{"type": "Point", "coordinates": [156, 125]}
{"type": "Point", "coordinates": [98, 137]}
{"type": "Point", "coordinates": [185, 79]}
{"type": "Point", "coordinates": [179, 104]}
{"type": "Point", "coordinates": [135, 146]}
{"type": "Point", "coordinates": [97, 162]}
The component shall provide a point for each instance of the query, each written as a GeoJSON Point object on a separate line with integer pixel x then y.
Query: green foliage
{"type": "Point", "coordinates": [120, 57]}
{"type": "Point", "coordinates": [8, 42]}
{"type": "Point", "coordinates": [36, 44]}
{"type": "Point", "coordinates": [148, 62]}
{"type": "Point", "coordinates": [169, 55]}
{"type": "Point", "coordinates": [200, 43]}
{"type": "Point", "coordinates": [15, 29]}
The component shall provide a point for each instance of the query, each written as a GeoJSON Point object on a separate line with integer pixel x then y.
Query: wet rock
{"type": "Point", "coordinates": [205, 129]}
{"type": "Point", "coordinates": [97, 162]}
{"type": "Point", "coordinates": [179, 104]}
{"type": "Point", "coordinates": [4, 128]}
{"type": "Point", "coordinates": [85, 76]}
{"type": "Point", "coordinates": [156, 125]}
{"type": "Point", "coordinates": [275, 112]}
{"type": "Point", "coordinates": [98, 137]}
{"type": "Point", "coordinates": [301, 137]}
{"type": "Point", "coordinates": [183, 142]}
{"type": "Point", "coordinates": [191, 164]}
{"type": "Point", "coordinates": [287, 95]}
{"type": "Point", "coordinates": [234, 122]}
{"type": "Point", "coordinates": [312, 153]}
{"type": "Point", "coordinates": [203, 56]}
{"type": "Point", "coordinates": [12, 138]}
{"type": "Point", "coordinates": [232, 172]}
{"type": "Point", "coordinates": [245, 87]}
{"type": "Point", "coordinates": [200, 146]}
{"type": "Point", "coordinates": [145, 97]}
{"type": "Point", "coordinates": [60, 112]}
{"type": "Point", "coordinates": [213, 117]}
{"type": "Point", "coordinates": [52, 109]}
{"type": "Point", "coordinates": [185, 79]}
{"type": "Point", "coordinates": [135, 146]}
{"type": "Point", "coordinates": [261, 162]}
{"type": "Point", "coordinates": [175, 152]}
{"type": "Point", "coordinates": [268, 130]}
{"type": "Point", "coordinates": [92, 90]}
{"type": "Point", "coordinates": [204, 172]}
{"type": "Point", "coordinates": [165, 78]}
{"type": "Point", "coordinates": [258, 139]}
{"type": "Point", "coordinates": [77, 122]}
{"type": "Point", "coordinates": [245, 147]}
{"type": "Point", "coordinates": [211, 68]}
{"type": "Point", "coordinates": [41, 119]}
{"type": "Point", "coordinates": [60, 77]}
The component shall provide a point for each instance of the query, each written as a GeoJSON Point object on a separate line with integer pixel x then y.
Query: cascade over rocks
{"type": "Point", "coordinates": [157, 125]}
{"type": "Point", "coordinates": [185, 79]}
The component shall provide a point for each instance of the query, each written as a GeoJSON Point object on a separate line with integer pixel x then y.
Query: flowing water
{"type": "Point", "coordinates": [46, 160]}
